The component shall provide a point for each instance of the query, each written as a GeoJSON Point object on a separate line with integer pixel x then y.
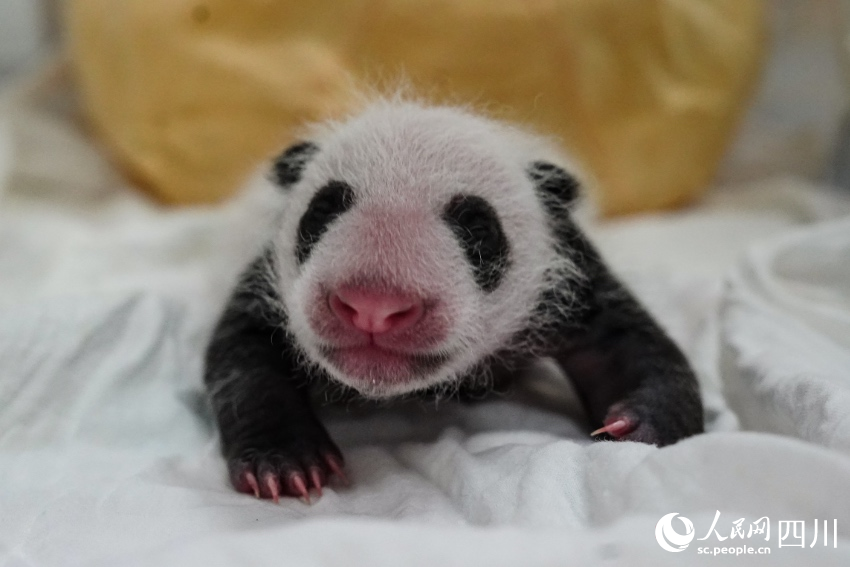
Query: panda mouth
{"type": "Point", "coordinates": [374, 363]}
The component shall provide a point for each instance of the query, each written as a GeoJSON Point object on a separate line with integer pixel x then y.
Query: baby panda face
{"type": "Point", "coordinates": [413, 245]}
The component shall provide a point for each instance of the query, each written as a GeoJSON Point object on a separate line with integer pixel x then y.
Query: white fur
{"type": "Point", "coordinates": [405, 161]}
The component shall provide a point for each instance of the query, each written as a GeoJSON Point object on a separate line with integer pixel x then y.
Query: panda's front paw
{"type": "Point", "coordinates": [632, 421]}
{"type": "Point", "coordinates": [292, 468]}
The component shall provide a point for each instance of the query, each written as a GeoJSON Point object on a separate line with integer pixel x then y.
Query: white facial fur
{"type": "Point", "coordinates": [405, 162]}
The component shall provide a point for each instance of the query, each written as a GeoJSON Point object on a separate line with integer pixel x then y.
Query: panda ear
{"type": "Point", "coordinates": [554, 181]}
{"type": "Point", "coordinates": [287, 167]}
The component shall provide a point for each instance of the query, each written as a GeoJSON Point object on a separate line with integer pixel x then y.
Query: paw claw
{"type": "Point", "coordinates": [616, 428]}
{"type": "Point", "coordinates": [336, 467]}
{"type": "Point", "coordinates": [317, 480]}
{"type": "Point", "coordinates": [274, 488]}
{"type": "Point", "coordinates": [251, 480]}
{"type": "Point", "coordinates": [299, 486]}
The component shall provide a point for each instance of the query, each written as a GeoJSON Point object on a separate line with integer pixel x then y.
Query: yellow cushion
{"type": "Point", "coordinates": [189, 95]}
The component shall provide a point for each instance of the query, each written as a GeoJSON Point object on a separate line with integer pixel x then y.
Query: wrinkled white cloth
{"type": "Point", "coordinates": [108, 455]}
{"type": "Point", "coordinates": [787, 336]}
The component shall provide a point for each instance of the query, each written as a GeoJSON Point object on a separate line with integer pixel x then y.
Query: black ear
{"type": "Point", "coordinates": [554, 181]}
{"type": "Point", "coordinates": [288, 166]}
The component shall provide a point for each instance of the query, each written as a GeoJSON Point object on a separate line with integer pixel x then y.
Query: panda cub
{"type": "Point", "coordinates": [425, 250]}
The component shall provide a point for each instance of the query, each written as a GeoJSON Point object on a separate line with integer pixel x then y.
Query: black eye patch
{"type": "Point", "coordinates": [475, 224]}
{"type": "Point", "coordinates": [327, 204]}
{"type": "Point", "coordinates": [289, 165]}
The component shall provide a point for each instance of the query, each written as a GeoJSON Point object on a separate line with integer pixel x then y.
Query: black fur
{"type": "Point", "coordinates": [289, 165]}
{"type": "Point", "coordinates": [553, 182]}
{"type": "Point", "coordinates": [621, 362]}
{"type": "Point", "coordinates": [259, 392]}
{"type": "Point", "coordinates": [327, 204]}
{"type": "Point", "coordinates": [476, 226]}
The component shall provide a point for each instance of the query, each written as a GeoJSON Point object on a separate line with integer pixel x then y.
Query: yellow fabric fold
{"type": "Point", "coordinates": [189, 95]}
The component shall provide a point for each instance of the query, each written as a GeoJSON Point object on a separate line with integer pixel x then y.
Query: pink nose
{"type": "Point", "coordinates": [375, 312]}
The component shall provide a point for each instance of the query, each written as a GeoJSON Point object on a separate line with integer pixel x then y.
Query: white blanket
{"type": "Point", "coordinates": [108, 456]}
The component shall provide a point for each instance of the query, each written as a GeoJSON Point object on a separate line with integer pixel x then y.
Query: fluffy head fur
{"type": "Point", "coordinates": [404, 164]}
